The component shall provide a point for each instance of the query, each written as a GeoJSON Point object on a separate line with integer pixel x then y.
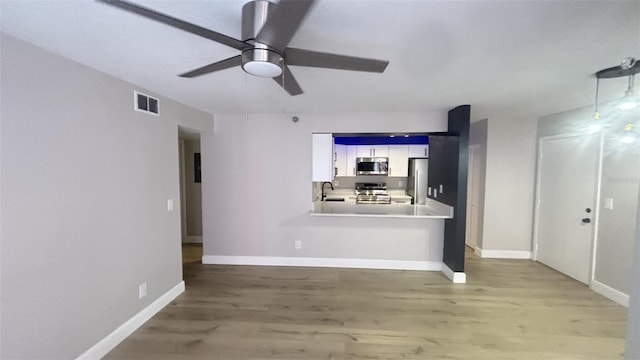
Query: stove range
{"type": "Point", "coordinates": [372, 193]}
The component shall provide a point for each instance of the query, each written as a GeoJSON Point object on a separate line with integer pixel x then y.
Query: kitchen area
{"type": "Point", "coordinates": [374, 175]}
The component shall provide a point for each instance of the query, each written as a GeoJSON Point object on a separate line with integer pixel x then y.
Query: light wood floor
{"type": "Point", "coordinates": [509, 309]}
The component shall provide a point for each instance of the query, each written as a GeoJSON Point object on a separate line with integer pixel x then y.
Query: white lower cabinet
{"type": "Point", "coordinates": [398, 160]}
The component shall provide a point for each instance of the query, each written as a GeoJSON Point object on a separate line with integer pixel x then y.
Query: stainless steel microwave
{"type": "Point", "coordinates": [372, 166]}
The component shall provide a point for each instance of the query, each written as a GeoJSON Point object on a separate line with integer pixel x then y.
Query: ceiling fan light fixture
{"type": "Point", "coordinates": [262, 62]}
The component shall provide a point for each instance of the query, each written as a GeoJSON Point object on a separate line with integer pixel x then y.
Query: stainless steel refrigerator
{"type": "Point", "coordinates": [417, 180]}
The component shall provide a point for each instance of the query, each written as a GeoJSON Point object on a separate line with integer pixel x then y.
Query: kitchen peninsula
{"type": "Point", "coordinates": [432, 209]}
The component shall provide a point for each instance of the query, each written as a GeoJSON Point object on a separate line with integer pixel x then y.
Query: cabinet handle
{"type": "Point", "coordinates": [335, 171]}
{"type": "Point", "coordinates": [374, 152]}
{"type": "Point", "coordinates": [354, 171]}
{"type": "Point", "coordinates": [335, 156]}
{"type": "Point", "coordinates": [425, 152]}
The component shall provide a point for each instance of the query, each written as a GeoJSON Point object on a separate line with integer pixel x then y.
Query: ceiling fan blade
{"type": "Point", "coordinates": [216, 66]}
{"type": "Point", "coordinates": [283, 23]}
{"type": "Point", "coordinates": [301, 57]}
{"type": "Point", "coordinates": [177, 23]}
{"type": "Point", "coordinates": [290, 83]}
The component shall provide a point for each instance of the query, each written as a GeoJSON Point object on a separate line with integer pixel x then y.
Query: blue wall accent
{"type": "Point", "coordinates": [380, 140]}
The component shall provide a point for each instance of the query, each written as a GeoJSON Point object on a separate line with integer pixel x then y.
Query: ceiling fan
{"type": "Point", "coordinates": [267, 29]}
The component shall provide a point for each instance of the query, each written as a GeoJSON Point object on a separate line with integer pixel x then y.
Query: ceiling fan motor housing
{"type": "Point", "coordinates": [261, 60]}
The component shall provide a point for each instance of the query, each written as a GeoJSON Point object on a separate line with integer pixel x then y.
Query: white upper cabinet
{"type": "Point", "coordinates": [351, 160]}
{"type": "Point", "coordinates": [372, 151]}
{"type": "Point", "coordinates": [340, 160]}
{"type": "Point", "coordinates": [398, 160]}
{"type": "Point", "coordinates": [418, 151]}
{"type": "Point", "coordinates": [322, 157]}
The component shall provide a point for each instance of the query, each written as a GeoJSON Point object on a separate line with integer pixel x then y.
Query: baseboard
{"type": "Point", "coordinates": [610, 293]}
{"type": "Point", "coordinates": [503, 254]}
{"type": "Point", "coordinates": [323, 262]}
{"type": "Point", "coordinates": [456, 277]}
{"type": "Point", "coordinates": [112, 340]}
{"type": "Point", "coordinates": [194, 239]}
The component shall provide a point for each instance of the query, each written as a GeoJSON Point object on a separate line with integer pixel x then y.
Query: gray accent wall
{"type": "Point", "coordinates": [509, 184]}
{"type": "Point", "coordinates": [257, 191]}
{"type": "Point", "coordinates": [84, 186]}
{"type": "Point", "coordinates": [620, 181]}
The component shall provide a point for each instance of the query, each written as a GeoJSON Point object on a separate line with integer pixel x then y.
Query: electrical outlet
{"type": "Point", "coordinates": [441, 188]}
{"type": "Point", "coordinates": [142, 290]}
{"type": "Point", "coordinates": [400, 183]}
{"type": "Point", "coordinates": [170, 205]}
{"type": "Point", "coordinates": [336, 183]}
{"type": "Point", "coordinates": [297, 244]}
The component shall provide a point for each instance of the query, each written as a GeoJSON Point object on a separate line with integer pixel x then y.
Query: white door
{"type": "Point", "coordinates": [473, 198]}
{"type": "Point", "coordinates": [567, 180]}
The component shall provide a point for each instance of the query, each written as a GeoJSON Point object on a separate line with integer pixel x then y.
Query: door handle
{"type": "Point", "coordinates": [586, 220]}
{"type": "Point", "coordinates": [587, 210]}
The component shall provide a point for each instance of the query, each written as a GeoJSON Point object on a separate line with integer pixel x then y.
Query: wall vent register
{"type": "Point", "coordinates": [145, 103]}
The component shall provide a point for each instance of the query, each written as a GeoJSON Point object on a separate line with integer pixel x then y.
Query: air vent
{"type": "Point", "coordinates": [145, 103]}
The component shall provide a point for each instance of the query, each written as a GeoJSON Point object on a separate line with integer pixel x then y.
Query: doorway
{"type": "Point", "coordinates": [566, 209]}
{"type": "Point", "coordinates": [473, 198]}
{"type": "Point", "coordinates": [190, 194]}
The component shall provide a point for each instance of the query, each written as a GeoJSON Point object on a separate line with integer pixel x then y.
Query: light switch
{"type": "Point", "coordinates": [170, 205]}
{"type": "Point", "coordinates": [608, 203]}
{"type": "Point", "coordinates": [429, 191]}
{"type": "Point", "coordinates": [441, 188]}
{"type": "Point", "coordinates": [400, 183]}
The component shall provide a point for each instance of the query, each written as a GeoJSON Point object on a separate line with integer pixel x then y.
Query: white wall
{"type": "Point", "coordinates": [509, 184]}
{"type": "Point", "coordinates": [632, 349]}
{"type": "Point", "coordinates": [257, 191]}
{"type": "Point", "coordinates": [84, 188]}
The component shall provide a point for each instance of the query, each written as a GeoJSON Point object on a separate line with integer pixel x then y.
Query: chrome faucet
{"type": "Point", "coordinates": [324, 195]}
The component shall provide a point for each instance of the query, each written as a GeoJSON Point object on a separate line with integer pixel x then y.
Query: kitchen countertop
{"type": "Point", "coordinates": [431, 210]}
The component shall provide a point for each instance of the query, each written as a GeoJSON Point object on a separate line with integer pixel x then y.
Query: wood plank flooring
{"type": "Point", "coordinates": [509, 309]}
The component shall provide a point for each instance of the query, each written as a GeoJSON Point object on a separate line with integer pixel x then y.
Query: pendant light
{"type": "Point", "coordinates": [629, 136]}
{"type": "Point", "coordinates": [629, 68]}
{"type": "Point", "coordinates": [628, 101]}
{"type": "Point", "coordinates": [596, 125]}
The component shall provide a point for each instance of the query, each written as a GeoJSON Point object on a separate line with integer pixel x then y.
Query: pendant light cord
{"type": "Point", "coordinates": [596, 114]}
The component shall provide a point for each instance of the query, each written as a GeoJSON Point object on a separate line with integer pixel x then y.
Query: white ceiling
{"type": "Point", "coordinates": [514, 58]}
